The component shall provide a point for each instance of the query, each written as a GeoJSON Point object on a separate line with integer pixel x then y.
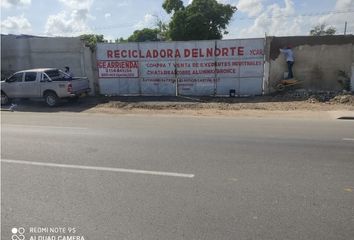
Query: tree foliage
{"type": "Point", "coordinates": [121, 40]}
{"type": "Point", "coordinates": [91, 40]}
{"type": "Point", "coordinates": [163, 29]}
{"type": "Point", "coordinates": [172, 5]}
{"type": "Point", "coordinates": [200, 20]}
{"type": "Point", "coordinates": [158, 33]}
{"type": "Point", "coordinates": [322, 30]}
{"type": "Point", "coordinates": [146, 34]}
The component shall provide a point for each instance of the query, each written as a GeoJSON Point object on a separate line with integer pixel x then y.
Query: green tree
{"type": "Point", "coordinates": [91, 40]}
{"type": "Point", "coordinates": [163, 29]}
{"type": "Point", "coordinates": [322, 30]}
{"type": "Point", "coordinates": [121, 40]}
{"type": "Point", "coordinates": [172, 5]}
{"type": "Point", "coordinates": [146, 34]}
{"type": "Point", "coordinates": [200, 20]}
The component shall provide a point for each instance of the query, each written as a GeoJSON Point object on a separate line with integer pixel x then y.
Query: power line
{"type": "Point", "coordinates": [301, 15]}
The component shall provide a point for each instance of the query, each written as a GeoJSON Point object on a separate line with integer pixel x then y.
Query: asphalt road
{"type": "Point", "coordinates": [176, 177]}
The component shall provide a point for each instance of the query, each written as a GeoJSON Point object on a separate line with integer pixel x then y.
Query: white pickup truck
{"type": "Point", "coordinates": [51, 84]}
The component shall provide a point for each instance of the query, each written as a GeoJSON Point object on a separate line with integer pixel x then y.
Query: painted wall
{"type": "Point", "coordinates": [182, 68]}
{"type": "Point", "coordinates": [317, 60]}
{"type": "Point", "coordinates": [26, 52]}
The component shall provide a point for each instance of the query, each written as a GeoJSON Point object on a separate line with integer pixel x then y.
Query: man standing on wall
{"type": "Point", "coordinates": [289, 56]}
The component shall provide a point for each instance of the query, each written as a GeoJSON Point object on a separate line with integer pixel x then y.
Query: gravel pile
{"type": "Point", "coordinates": [332, 97]}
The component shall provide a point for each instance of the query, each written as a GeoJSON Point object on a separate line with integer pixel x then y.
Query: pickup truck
{"type": "Point", "coordinates": [52, 84]}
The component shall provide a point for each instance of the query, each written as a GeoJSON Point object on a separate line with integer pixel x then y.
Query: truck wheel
{"type": "Point", "coordinates": [51, 99]}
{"type": "Point", "coordinates": [4, 99]}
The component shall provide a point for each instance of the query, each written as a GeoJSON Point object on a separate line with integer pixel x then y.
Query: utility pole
{"type": "Point", "coordinates": [345, 28]}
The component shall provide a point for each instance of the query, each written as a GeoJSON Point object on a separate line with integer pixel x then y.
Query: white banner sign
{"type": "Point", "coordinates": [197, 67]}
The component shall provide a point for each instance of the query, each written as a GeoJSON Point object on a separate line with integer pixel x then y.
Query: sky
{"type": "Point", "coordinates": [119, 18]}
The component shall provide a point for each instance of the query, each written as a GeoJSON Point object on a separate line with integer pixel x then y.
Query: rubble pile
{"type": "Point", "coordinates": [330, 97]}
{"type": "Point", "coordinates": [343, 99]}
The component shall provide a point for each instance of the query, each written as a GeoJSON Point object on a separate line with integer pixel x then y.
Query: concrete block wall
{"type": "Point", "coordinates": [26, 52]}
{"type": "Point", "coordinates": [317, 60]}
{"type": "Point", "coordinates": [352, 76]}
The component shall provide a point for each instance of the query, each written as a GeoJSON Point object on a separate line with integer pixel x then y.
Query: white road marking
{"type": "Point", "coordinates": [37, 126]}
{"type": "Point", "coordinates": [348, 139]}
{"type": "Point", "coordinates": [109, 169]}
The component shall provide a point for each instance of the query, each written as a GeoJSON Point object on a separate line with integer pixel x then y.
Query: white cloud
{"type": "Point", "coordinates": [122, 4]}
{"type": "Point", "coordinates": [77, 4]}
{"type": "Point", "coordinates": [219, 1]}
{"type": "Point", "coordinates": [72, 21]}
{"type": "Point", "coordinates": [274, 20]}
{"type": "Point", "coordinates": [107, 15]}
{"type": "Point", "coordinates": [65, 24]}
{"type": "Point", "coordinates": [251, 7]}
{"type": "Point", "coordinates": [16, 24]}
{"type": "Point", "coordinates": [275, 10]}
{"type": "Point", "coordinates": [338, 20]}
{"type": "Point", "coordinates": [344, 5]}
{"type": "Point", "coordinates": [149, 21]}
{"type": "Point", "coordinates": [282, 19]}
{"type": "Point", "coordinates": [15, 3]}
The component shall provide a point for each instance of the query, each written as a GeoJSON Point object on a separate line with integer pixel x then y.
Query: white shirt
{"type": "Point", "coordinates": [289, 55]}
{"type": "Point", "coordinates": [71, 75]}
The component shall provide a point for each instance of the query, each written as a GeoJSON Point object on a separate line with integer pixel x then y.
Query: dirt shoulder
{"type": "Point", "coordinates": [209, 106]}
{"type": "Point", "coordinates": [287, 105]}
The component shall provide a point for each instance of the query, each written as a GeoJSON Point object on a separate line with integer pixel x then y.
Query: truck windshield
{"type": "Point", "coordinates": [57, 75]}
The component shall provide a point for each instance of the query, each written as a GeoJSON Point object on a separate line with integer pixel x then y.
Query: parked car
{"type": "Point", "coordinates": [52, 84]}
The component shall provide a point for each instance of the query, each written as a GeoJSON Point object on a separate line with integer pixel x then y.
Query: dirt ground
{"type": "Point", "coordinates": [289, 105]}
{"type": "Point", "coordinates": [250, 106]}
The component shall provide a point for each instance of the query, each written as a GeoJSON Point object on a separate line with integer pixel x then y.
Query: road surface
{"type": "Point", "coordinates": [148, 177]}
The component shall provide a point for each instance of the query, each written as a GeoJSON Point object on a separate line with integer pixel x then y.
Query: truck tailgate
{"type": "Point", "coordinates": [79, 84]}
